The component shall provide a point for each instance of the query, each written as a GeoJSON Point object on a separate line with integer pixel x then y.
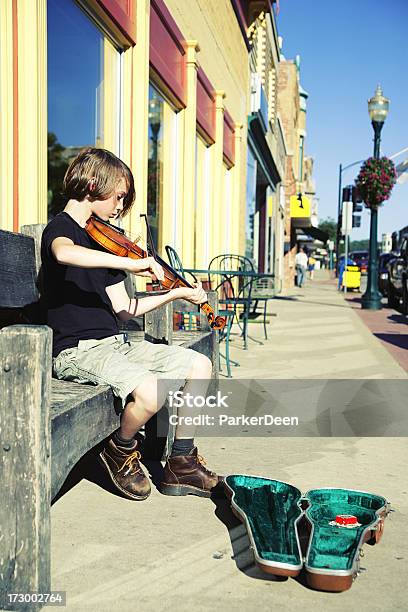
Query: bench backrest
{"type": "Point", "coordinates": [19, 296]}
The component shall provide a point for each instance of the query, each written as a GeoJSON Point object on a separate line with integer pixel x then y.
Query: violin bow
{"type": "Point", "coordinates": [151, 248]}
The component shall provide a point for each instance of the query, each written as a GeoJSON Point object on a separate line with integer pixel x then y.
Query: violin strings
{"type": "Point", "coordinates": [131, 235]}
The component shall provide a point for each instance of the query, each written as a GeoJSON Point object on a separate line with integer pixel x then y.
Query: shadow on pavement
{"type": "Point", "coordinates": [287, 298]}
{"type": "Point", "coordinates": [333, 305]}
{"type": "Point", "coordinates": [400, 340]}
{"type": "Point", "coordinates": [398, 318]}
{"type": "Point", "coordinates": [90, 468]}
{"type": "Point", "coordinates": [241, 544]}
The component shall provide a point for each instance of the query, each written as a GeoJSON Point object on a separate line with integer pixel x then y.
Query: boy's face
{"type": "Point", "coordinates": [112, 206]}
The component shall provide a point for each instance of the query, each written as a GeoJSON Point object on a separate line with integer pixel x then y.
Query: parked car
{"type": "Point", "coordinates": [404, 255]}
{"type": "Point", "coordinates": [397, 288]}
{"type": "Point", "coordinates": [383, 261]}
{"type": "Point", "coordinates": [361, 259]}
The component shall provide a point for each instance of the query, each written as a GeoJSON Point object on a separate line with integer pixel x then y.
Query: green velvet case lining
{"type": "Point", "coordinates": [271, 509]}
{"type": "Point", "coordinates": [334, 547]}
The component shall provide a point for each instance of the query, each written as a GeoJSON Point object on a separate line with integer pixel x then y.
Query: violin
{"type": "Point", "coordinates": [114, 240]}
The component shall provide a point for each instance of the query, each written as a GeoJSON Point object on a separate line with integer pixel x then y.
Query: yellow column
{"type": "Point", "coordinates": [135, 116]}
{"type": "Point", "coordinates": [217, 212]}
{"type": "Point", "coordinates": [6, 115]}
{"type": "Point", "coordinates": [190, 134]}
{"type": "Point", "coordinates": [32, 111]}
{"type": "Point", "coordinates": [238, 175]}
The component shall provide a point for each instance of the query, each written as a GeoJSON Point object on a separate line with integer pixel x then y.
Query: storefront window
{"type": "Point", "coordinates": [250, 205]}
{"type": "Point", "coordinates": [83, 91]}
{"type": "Point", "coordinates": [163, 187]}
{"type": "Point", "coordinates": [202, 205]}
{"type": "Point", "coordinates": [155, 163]}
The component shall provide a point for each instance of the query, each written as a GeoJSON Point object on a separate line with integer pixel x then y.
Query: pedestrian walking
{"type": "Point", "coordinates": [311, 263]}
{"type": "Point", "coordinates": [301, 266]}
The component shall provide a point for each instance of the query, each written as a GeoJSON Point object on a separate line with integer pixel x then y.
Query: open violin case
{"type": "Point", "coordinates": [322, 531]}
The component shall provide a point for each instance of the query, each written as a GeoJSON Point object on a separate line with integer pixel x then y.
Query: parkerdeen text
{"type": "Point", "coordinates": [239, 420]}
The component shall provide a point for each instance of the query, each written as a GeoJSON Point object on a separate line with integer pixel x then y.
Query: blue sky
{"type": "Point", "coordinates": [346, 48]}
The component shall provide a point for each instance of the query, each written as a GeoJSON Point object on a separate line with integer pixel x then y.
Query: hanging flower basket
{"type": "Point", "coordinates": [375, 181]}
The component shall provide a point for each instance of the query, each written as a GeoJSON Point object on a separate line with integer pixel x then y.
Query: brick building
{"type": "Point", "coordinates": [299, 186]}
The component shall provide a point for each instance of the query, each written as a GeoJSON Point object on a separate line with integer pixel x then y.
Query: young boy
{"type": "Point", "coordinates": [85, 295]}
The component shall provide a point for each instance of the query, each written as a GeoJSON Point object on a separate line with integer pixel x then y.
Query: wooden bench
{"type": "Point", "coordinates": [47, 425]}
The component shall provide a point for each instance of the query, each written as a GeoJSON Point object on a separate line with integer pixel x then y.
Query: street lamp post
{"type": "Point", "coordinates": [378, 110]}
{"type": "Point", "coordinates": [339, 207]}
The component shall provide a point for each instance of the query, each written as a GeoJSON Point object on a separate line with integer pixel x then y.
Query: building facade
{"type": "Point", "coordinates": [264, 215]}
{"type": "Point", "coordinates": [165, 86]}
{"type": "Point", "coordinates": [301, 204]}
{"type": "Point", "coordinates": [194, 96]}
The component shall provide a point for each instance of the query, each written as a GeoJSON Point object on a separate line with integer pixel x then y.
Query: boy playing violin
{"type": "Point", "coordinates": [85, 295]}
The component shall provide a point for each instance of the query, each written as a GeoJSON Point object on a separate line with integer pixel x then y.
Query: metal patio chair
{"type": "Point", "coordinates": [189, 317]}
{"type": "Point", "coordinates": [234, 290]}
{"type": "Point", "coordinates": [264, 289]}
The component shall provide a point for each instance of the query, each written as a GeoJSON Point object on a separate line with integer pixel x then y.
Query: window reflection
{"type": "Point", "coordinates": [83, 78]}
{"type": "Point", "coordinates": [202, 205]}
{"type": "Point", "coordinates": [155, 163]}
{"type": "Point", "coordinates": [250, 206]}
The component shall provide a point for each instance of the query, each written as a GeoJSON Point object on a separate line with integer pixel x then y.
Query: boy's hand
{"type": "Point", "coordinates": [145, 267]}
{"type": "Point", "coordinates": [196, 295]}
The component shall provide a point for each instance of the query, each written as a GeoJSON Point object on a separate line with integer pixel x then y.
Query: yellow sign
{"type": "Point", "coordinates": [270, 206]}
{"type": "Point", "coordinates": [300, 206]}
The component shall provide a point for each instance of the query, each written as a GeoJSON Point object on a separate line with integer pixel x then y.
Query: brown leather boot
{"type": "Point", "coordinates": [125, 470]}
{"type": "Point", "coordinates": [186, 474]}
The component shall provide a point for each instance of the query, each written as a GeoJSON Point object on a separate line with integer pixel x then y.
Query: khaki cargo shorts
{"type": "Point", "coordinates": [122, 364]}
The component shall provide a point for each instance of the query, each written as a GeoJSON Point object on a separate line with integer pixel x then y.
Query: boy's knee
{"type": "Point", "coordinates": [202, 366]}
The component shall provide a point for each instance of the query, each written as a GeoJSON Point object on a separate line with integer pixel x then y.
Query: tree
{"type": "Point", "coordinates": [329, 226]}
{"type": "Point", "coordinates": [57, 166]}
{"type": "Point", "coordinates": [359, 245]}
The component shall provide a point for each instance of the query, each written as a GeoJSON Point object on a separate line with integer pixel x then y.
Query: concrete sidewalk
{"type": "Point", "coordinates": [191, 553]}
{"type": "Point", "coordinates": [315, 334]}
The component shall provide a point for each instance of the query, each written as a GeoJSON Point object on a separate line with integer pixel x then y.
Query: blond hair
{"type": "Point", "coordinates": [96, 173]}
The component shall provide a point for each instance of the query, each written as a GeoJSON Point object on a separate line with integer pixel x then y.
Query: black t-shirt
{"type": "Point", "coordinates": [76, 302]}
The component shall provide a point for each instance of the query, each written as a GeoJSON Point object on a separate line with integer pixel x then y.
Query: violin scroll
{"type": "Point", "coordinates": [215, 322]}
